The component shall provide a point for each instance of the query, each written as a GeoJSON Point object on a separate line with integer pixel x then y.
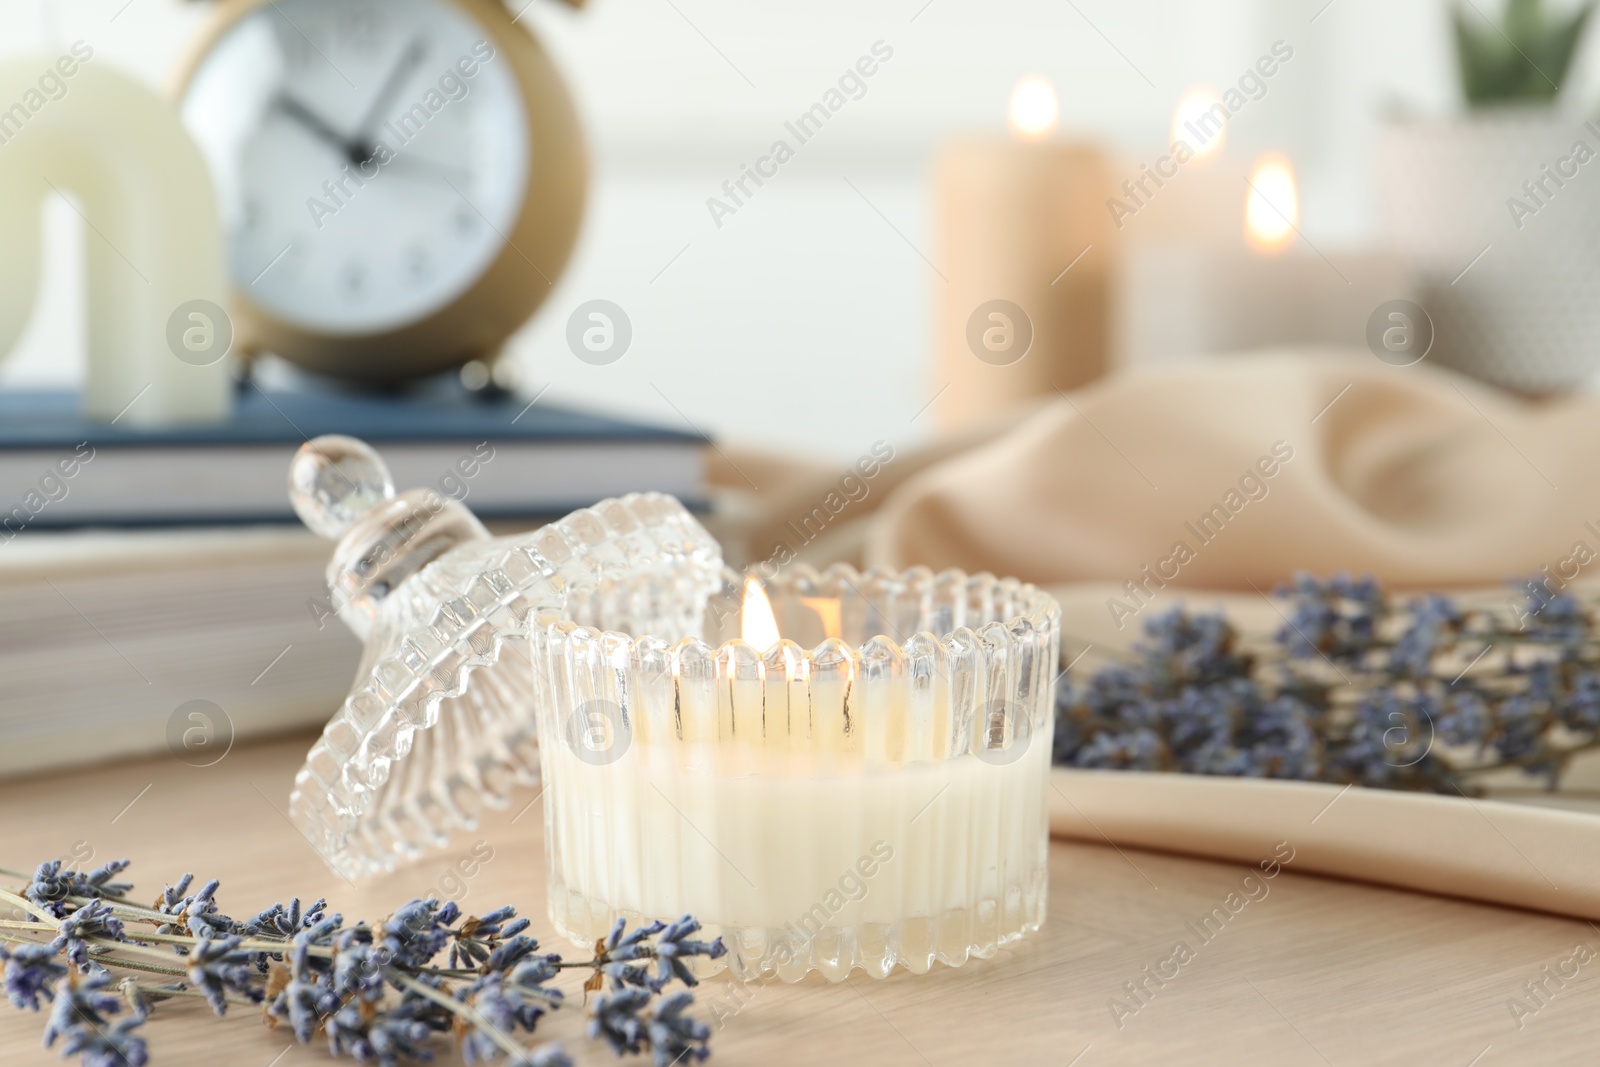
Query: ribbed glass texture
{"type": "Point", "coordinates": [863, 800]}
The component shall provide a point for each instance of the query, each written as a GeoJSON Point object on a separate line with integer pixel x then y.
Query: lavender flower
{"type": "Point", "coordinates": [616, 1019]}
{"type": "Point", "coordinates": [283, 921]}
{"type": "Point", "coordinates": [508, 954]}
{"type": "Point", "coordinates": [475, 943]}
{"type": "Point", "coordinates": [1581, 710]}
{"type": "Point", "coordinates": [1338, 619]}
{"type": "Point", "coordinates": [1434, 625]}
{"type": "Point", "coordinates": [196, 914]}
{"type": "Point", "coordinates": [620, 948]}
{"type": "Point", "coordinates": [384, 1038]}
{"type": "Point", "coordinates": [52, 885]}
{"type": "Point", "coordinates": [279, 921]}
{"type": "Point", "coordinates": [92, 920]}
{"type": "Point", "coordinates": [1194, 649]}
{"type": "Point", "coordinates": [173, 902]}
{"type": "Point", "coordinates": [31, 972]}
{"type": "Point", "coordinates": [415, 1007]}
{"type": "Point", "coordinates": [358, 970]}
{"type": "Point", "coordinates": [217, 968]}
{"type": "Point", "coordinates": [303, 1002]}
{"type": "Point", "coordinates": [673, 947]}
{"type": "Point", "coordinates": [675, 1036]}
{"type": "Point", "coordinates": [508, 1006]}
{"type": "Point", "coordinates": [620, 1019]}
{"type": "Point", "coordinates": [1554, 617]}
{"type": "Point", "coordinates": [49, 888]}
{"type": "Point", "coordinates": [115, 1045]}
{"type": "Point", "coordinates": [200, 915]}
{"type": "Point", "coordinates": [416, 933]}
{"type": "Point", "coordinates": [308, 996]}
{"type": "Point", "coordinates": [79, 1021]}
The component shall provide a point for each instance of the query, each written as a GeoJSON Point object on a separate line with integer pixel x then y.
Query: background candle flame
{"type": "Point", "coordinates": [757, 624]}
{"type": "Point", "coordinates": [1034, 109]}
{"type": "Point", "coordinates": [1200, 121]}
{"type": "Point", "coordinates": [1272, 210]}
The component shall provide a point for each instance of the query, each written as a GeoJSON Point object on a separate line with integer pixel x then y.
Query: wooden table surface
{"type": "Point", "coordinates": [1316, 972]}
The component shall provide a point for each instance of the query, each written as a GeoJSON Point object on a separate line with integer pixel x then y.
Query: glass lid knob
{"type": "Point", "coordinates": [335, 480]}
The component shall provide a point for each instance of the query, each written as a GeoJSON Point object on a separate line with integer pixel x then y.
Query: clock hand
{"type": "Point", "coordinates": [319, 127]}
{"type": "Point", "coordinates": [397, 75]}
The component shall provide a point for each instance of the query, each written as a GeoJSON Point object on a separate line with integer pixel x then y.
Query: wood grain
{"type": "Point", "coordinates": [1316, 971]}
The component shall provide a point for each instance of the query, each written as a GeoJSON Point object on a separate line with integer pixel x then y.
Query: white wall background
{"type": "Point", "coordinates": [807, 302]}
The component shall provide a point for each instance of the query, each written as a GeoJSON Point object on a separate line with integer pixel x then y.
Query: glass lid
{"type": "Point", "coordinates": [440, 720]}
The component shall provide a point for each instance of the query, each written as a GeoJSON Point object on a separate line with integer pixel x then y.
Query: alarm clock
{"type": "Point", "coordinates": [401, 181]}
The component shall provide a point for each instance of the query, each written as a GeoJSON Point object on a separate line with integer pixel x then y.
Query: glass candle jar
{"type": "Point", "coordinates": [868, 791]}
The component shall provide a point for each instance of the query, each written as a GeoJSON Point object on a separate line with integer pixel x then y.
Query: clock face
{"type": "Point", "coordinates": [369, 156]}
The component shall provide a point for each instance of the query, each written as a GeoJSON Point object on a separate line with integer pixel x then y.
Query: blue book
{"type": "Point", "coordinates": [502, 455]}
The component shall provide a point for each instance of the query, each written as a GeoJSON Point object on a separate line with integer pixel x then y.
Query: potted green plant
{"type": "Point", "coordinates": [1499, 207]}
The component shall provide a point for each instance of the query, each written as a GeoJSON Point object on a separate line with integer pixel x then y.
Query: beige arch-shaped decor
{"type": "Point", "coordinates": [69, 125]}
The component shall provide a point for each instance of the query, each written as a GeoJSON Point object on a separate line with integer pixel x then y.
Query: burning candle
{"type": "Point", "coordinates": [1024, 254]}
{"type": "Point", "coordinates": [860, 802]}
{"type": "Point", "coordinates": [1245, 277]}
{"type": "Point", "coordinates": [1190, 191]}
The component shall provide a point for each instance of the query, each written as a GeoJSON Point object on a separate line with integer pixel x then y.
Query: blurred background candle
{"type": "Point", "coordinates": [1197, 199]}
{"type": "Point", "coordinates": [1023, 234]}
{"type": "Point", "coordinates": [1261, 285]}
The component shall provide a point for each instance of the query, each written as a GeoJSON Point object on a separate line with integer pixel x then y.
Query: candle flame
{"type": "Point", "coordinates": [757, 624]}
{"type": "Point", "coordinates": [1272, 210]}
{"type": "Point", "coordinates": [828, 610]}
{"type": "Point", "coordinates": [1200, 121]}
{"type": "Point", "coordinates": [1034, 109]}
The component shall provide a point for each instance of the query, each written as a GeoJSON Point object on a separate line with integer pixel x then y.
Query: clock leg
{"type": "Point", "coordinates": [244, 366]}
{"type": "Point", "coordinates": [490, 377]}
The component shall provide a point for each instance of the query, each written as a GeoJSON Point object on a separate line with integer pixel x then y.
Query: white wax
{"type": "Point", "coordinates": [789, 850]}
{"type": "Point", "coordinates": [153, 237]}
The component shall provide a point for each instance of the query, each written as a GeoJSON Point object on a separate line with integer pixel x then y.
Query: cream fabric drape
{"type": "Point", "coordinates": [1419, 477]}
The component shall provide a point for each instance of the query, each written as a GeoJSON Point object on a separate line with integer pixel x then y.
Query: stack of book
{"type": "Point", "coordinates": [143, 570]}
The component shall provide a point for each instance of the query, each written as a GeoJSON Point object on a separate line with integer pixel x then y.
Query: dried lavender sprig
{"type": "Point", "coordinates": [31, 972]}
{"type": "Point", "coordinates": [93, 922]}
{"type": "Point", "coordinates": [79, 1019]}
{"type": "Point", "coordinates": [673, 946]}
{"type": "Point", "coordinates": [1357, 686]}
{"type": "Point", "coordinates": [621, 1019]}
{"type": "Point", "coordinates": [330, 969]}
{"type": "Point", "coordinates": [482, 1024]}
{"type": "Point", "coordinates": [52, 884]}
{"type": "Point", "coordinates": [217, 967]}
{"type": "Point", "coordinates": [670, 947]}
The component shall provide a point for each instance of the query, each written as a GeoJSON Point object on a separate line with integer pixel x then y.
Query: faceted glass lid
{"type": "Point", "coordinates": [440, 720]}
